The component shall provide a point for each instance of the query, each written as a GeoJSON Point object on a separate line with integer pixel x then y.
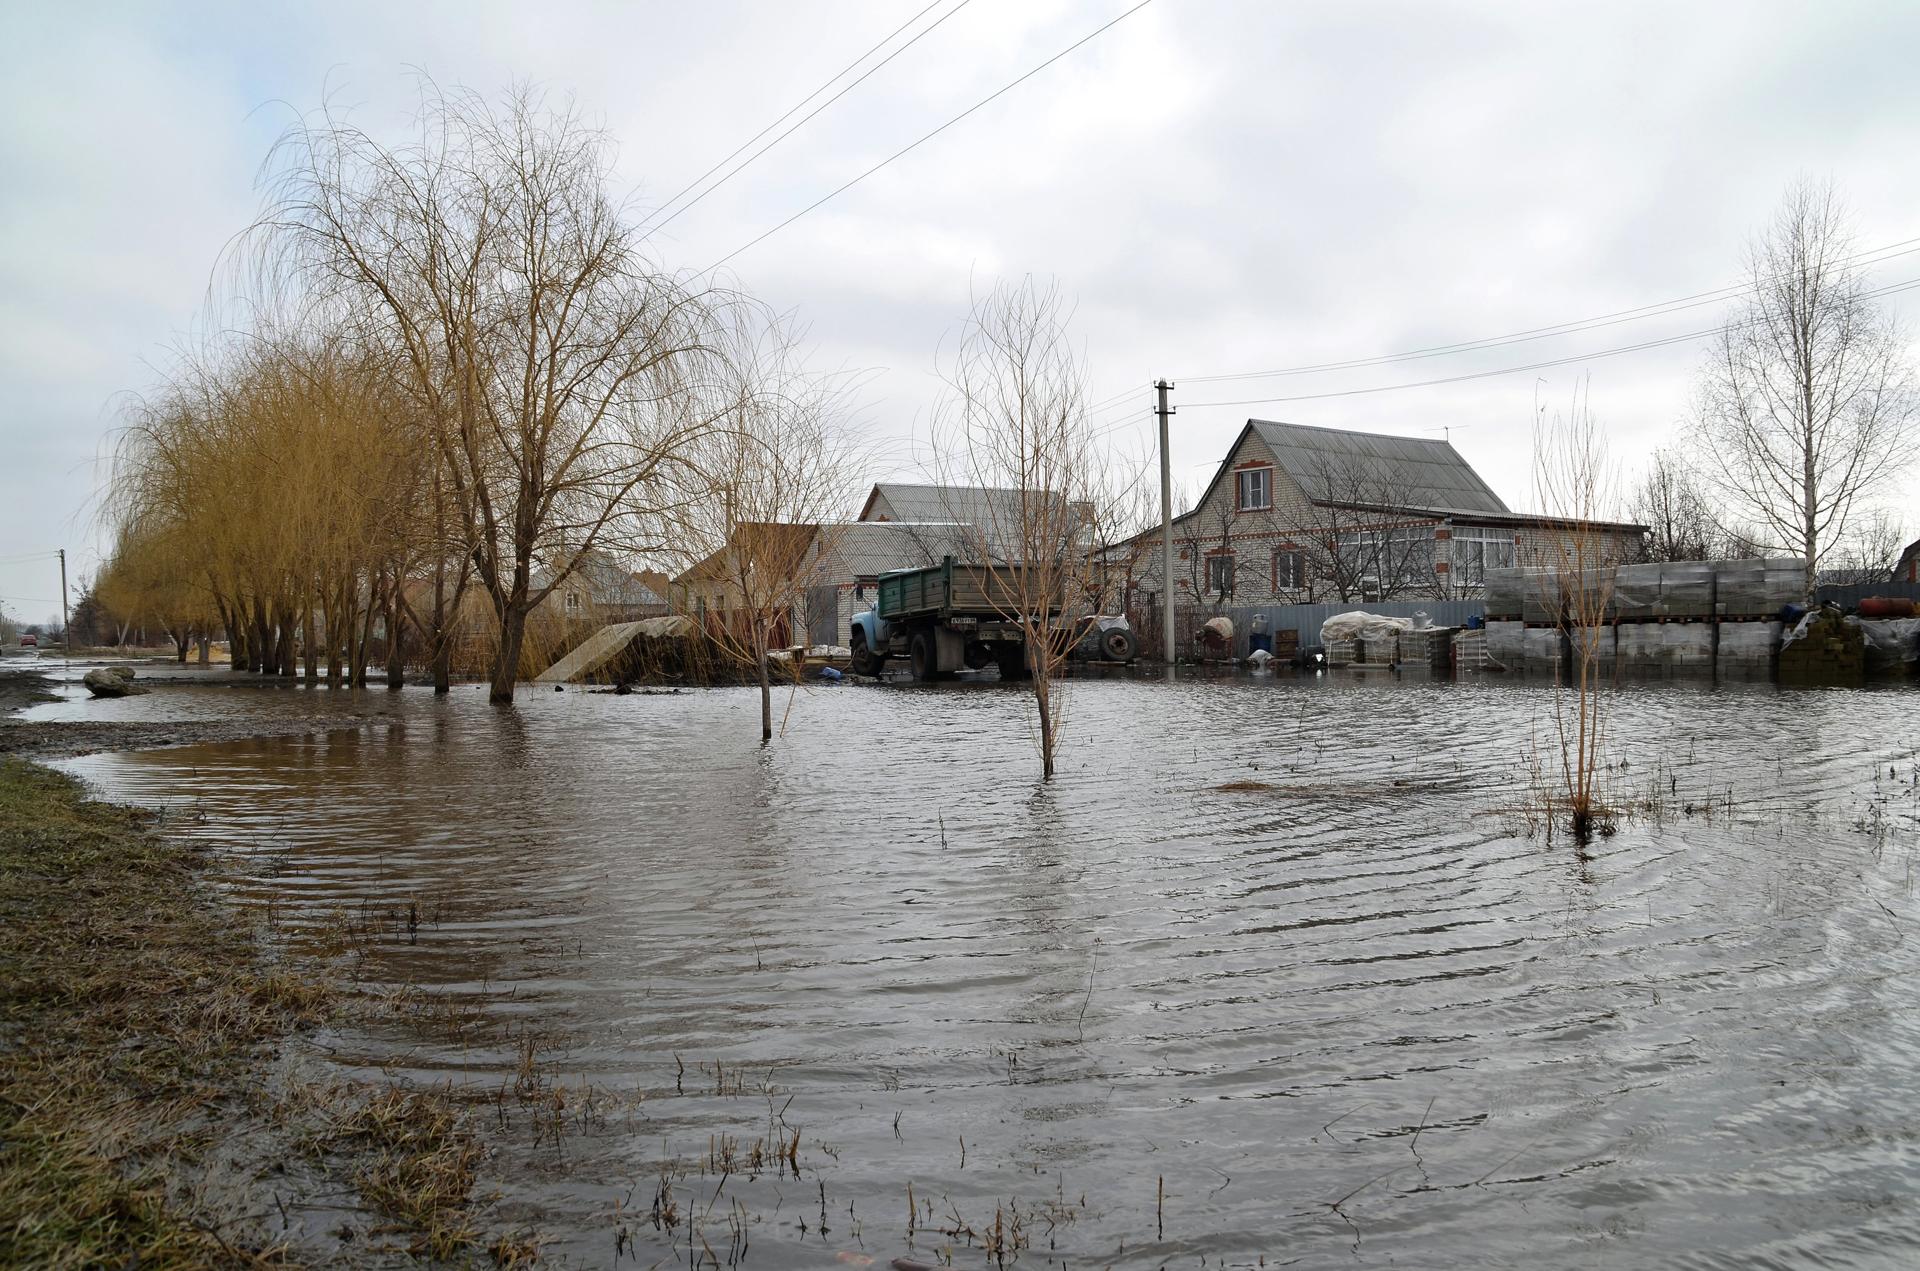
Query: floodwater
{"type": "Point", "coordinates": [1355, 1011]}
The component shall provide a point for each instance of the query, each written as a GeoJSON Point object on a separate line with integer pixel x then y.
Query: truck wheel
{"type": "Point", "coordinates": [865, 661]}
{"type": "Point", "coordinates": [920, 656]}
{"type": "Point", "coordinates": [1013, 662]}
{"type": "Point", "coordinates": [1118, 645]}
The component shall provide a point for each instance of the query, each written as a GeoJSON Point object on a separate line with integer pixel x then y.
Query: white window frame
{"type": "Point", "coordinates": [573, 604]}
{"type": "Point", "coordinates": [1243, 489]}
{"type": "Point", "coordinates": [1230, 561]}
{"type": "Point", "coordinates": [1478, 548]}
{"type": "Point", "coordinates": [1296, 569]}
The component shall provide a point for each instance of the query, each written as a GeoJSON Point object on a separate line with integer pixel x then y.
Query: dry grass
{"type": "Point", "coordinates": [134, 1018]}
{"type": "Point", "coordinates": [128, 1009]}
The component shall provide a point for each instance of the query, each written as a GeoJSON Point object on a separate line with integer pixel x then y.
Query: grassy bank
{"type": "Point", "coordinates": [136, 1019]}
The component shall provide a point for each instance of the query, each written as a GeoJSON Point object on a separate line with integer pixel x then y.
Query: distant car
{"type": "Point", "coordinates": [29, 641]}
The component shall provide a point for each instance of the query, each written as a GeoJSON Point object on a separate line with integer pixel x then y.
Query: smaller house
{"type": "Point", "coordinates": [831, 568]}
{"type": "Point", "coordinates": [1908, 570]}
{"type": "Point", "coordinates": [600, 591]}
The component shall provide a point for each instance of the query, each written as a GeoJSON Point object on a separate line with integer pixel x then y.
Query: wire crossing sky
{"type": "Point", "coordinates": [1483, 203]}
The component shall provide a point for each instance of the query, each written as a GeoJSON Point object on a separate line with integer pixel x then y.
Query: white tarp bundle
{"type": "Point", "coordinates": [1891, 642]}
{"type": "Point", "coordinates": [1360, 625]}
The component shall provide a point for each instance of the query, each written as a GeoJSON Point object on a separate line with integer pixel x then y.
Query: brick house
{"type": "Point", "coordinates": [1297, 514]}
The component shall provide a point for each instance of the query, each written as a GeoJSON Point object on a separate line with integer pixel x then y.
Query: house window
{"type": "Point", "coordinates": [1256, 488]}
{"type": "Point", "coordinates": [1388, 560]}
{"type": "Point", "coordinates": [573, 602]}
{"type": "Point", "coordinates": [1220, 574]}
{"type": "Point", "coordinates": [1289, 569]}
{"type": "Point", "coordinates": [1476, 549]}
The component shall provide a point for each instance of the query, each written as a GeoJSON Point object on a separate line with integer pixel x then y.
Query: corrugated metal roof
{"type": "Point", "coordinates": [1334, 466]}
{"type": "Point", "coordinates": [966, 504]}
{"type": "Point", "coordinates": [865, 549]}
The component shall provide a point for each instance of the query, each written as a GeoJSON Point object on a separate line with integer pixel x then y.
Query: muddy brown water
{"type": "Point", "coordinates": [1353, 1010]}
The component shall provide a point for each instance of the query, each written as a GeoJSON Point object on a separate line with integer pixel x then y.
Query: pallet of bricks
{"type": "Point", "coordinates": [1665, 618]}
{"type": "Point", "coordinates": [1748, 598]}
{"type": "Point", "coordinates": [1470, 650]}
{"type": "Point", "coordinates": [1427, 650]}
{"type": "Point", "coordinates": [1823, 648]}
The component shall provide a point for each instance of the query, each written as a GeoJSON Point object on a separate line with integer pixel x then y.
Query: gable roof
{"type": "Point", "coordinates": [867, 549]}
{"type": "Point", "coordinates": [966, 504]}
{"type": "Point", "coordinates": [1335, 466]}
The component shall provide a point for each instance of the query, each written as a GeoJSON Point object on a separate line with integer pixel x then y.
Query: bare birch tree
{"type": "Point", "coordinates": [1575, 486]}
{"type": "Point", "coordinates": [1807, 402]}
{"type": "Point", "coordinates": [553, 362]}
{"type": "Point", "coordinates": [1014, 423]}
{"type": "Point", "coordinates": [777, 477]}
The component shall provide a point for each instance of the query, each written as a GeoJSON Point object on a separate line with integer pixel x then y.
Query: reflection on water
{"type": "Point", "coordinates": [1349, 1011]}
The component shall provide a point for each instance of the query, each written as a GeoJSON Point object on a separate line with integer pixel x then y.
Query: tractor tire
{"type": "Point", "coordinates": [1118, 645]}
{"type": "Point", "coordinates": [1013, 663]}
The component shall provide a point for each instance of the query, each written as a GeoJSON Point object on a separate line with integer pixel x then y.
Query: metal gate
{"type": "Point", "coordinates": [823, 616]}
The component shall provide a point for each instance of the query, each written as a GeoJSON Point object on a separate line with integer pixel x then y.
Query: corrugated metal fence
{"type": "Point", "coordinates": [1305, 619]}
{"type": "Point", "coordinates": [1849, 595]}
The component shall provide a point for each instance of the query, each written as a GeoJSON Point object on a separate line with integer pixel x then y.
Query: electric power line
{"type": "Point", "coordinates": [1879, 254]}
{"type": "Point", "coordinates": [929, 136]}
{"type": "Point", "coordinates": [1531, 366]}
{"type": "Point", "coordinates": [810, 114]}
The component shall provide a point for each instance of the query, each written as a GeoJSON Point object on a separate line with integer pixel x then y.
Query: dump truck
{"type": "Point", "coordinates": [948, 616]}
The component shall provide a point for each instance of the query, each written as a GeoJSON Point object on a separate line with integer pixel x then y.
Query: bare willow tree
{"type": "Point", "coordinates": [1014, 427]}
{"type": "Point", "coordinates": [1807, 402]}
{"type": "Point", "coordinates": [1576, 559]}
{"type": "Point", "coordinates": [778, 473]}
{"type": "Point", "coordinates": [555, 365]}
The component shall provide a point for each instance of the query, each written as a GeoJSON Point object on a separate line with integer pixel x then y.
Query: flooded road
{"type": "Point", "coordinates": [873, 992]}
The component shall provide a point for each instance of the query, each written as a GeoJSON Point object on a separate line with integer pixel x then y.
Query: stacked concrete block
{"type": "Point", "coordinates": [1746, 650]}
{"type": "Point", "coordinates": [1688, 647]}
{"type": "Point", "coordinates": [1636, 591]}
{"type": "Point", "coordinates": [1600, 644]}
{"type": "Point", "coordinates": [1506, 644]}
{"type": "Point", "coordinates": [1757, 589]}
{"type": "Point", "coordinates": [1686, 589]}
{"type": "Point", "coordinates": [1640, 646]}
{"type": "Point", "coordinates": [1340, 652]}
{"type": "Point", "coordinates": [1542, 651]}
{"type": "Point", "coordinates": [1505, 590]}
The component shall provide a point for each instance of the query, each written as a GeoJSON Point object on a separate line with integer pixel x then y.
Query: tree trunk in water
{"type": "Point", "coordinates": [205, 643]}
{"type": "Point", "coordinates": [396, 655]}
{"type": "Point", "coordinates": [506, 664]}
{"type": "Point", "coordinates": [181, 643]}
{"type": "Point", "coordinates": [766, 695]}
{"type": "Point", "coordinates": [310, 644]}
{"type": "Point", "coordinates": [285, 657]}
{"type": "Point", "coordinates": [441, 642]}
{"type": "Point", "coordinates": [1043, 701]}
{"type": "Point", "coordinates": [262, 643]}
{"type": "Point", "coordinates": [363, 646]}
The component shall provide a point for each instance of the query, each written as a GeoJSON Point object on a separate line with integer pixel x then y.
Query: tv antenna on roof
{"type": "Point", "coordinates": [1446, 431]}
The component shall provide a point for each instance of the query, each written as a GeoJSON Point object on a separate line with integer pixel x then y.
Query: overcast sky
{"type": "Point", "coordinates": [1224, 187]}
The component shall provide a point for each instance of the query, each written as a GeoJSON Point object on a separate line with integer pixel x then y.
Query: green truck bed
{"type": "Point", "coordinates": [952, 589]}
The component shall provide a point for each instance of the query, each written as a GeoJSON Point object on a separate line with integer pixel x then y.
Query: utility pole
{"type": "Point", "coordinates": [1166, 524]}
{"type": "Point", "coordinates": [66, 628]}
